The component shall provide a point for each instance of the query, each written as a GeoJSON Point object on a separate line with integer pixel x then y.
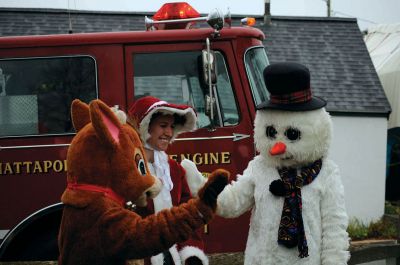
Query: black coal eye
{"type": "Point", "coordinates": [293, 134]}
{"type": "Point", "coordinates": [140, 164]}
{"type": "Point", "coordinates": [270, 132]}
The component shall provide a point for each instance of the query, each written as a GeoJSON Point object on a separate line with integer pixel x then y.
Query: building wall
{"type": "Point", "coordinates": [359, 149]}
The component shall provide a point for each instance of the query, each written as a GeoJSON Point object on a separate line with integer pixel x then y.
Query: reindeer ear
{"type": "Point", "coordinates": [80, 114]}
{"type": "Point", "coordinates": [105, 123]}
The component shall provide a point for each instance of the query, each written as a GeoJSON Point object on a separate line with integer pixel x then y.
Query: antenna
{"type": "Point", "coordinates": [328, 5]}
{"type": "Point", "coordinates": [69, 19]}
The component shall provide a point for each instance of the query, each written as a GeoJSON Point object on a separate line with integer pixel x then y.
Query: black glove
{"type": "Point", "coordinates": [215, 184]}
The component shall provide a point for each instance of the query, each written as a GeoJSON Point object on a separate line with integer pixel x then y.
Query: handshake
{"type": "Point", "coordinates": [213, 187]}
{"type": "Point", "coordinates": [206, 189]}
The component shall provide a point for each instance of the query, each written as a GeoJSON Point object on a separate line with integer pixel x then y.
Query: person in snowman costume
{"type": "Point", "coordinates": [293, 190]}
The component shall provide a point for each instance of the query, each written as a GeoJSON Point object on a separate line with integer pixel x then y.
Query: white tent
{"type": "Point", "coordinates": [383, 43]}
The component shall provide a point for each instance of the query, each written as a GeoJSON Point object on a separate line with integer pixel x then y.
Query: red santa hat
{"type": "Point", "coordinates": [143, 109]}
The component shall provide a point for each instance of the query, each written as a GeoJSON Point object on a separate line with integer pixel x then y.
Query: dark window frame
{"type": "Point", "coordinates": [51, 93]}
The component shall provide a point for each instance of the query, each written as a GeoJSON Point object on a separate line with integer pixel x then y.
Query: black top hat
{"type": "Point", "coordinates": [289, 87]}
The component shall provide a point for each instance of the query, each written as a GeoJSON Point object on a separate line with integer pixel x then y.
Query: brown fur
{"type": "Point", "coordinates": [98, 230]}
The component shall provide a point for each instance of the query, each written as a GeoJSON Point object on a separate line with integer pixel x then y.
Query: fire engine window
{"type": "Point", "coordinates": [174, 77]}
{"type": "Point", "coordinates": [36, 93]}
{"type": "Point", "coordinates": [256, 60]}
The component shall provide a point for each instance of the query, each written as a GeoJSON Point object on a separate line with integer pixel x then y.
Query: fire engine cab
{"type": "Point", "coordinates": [217, 69]}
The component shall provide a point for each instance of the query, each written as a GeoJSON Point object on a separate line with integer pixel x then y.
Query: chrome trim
{"type": "Point", "coordinates": [171, 21]}
{"type": "Point", "coordinates": [10, 232]}
{"type": "Point", "coordinates": [210, 85]}
{"type": "Point", "coordinates": [203, 138]}
{"type": "Point", "coordinates": [254, 47]}
{"type": "Point", "coordinates": [32, 146]}
{"type": "Point", "coordinates": [215, 19]}
{"type": "Point", "coordinates": [3, 233]}
{"type": "Point", "coordinates": [149, 23]}
{"type": "Point", "coordinates": [235, 137]}
{"type": "Point", "coordinates": [218, 105]}
{"type": "Point", "coordinates": [247, 70]}
{"type": "Point", "coordinates": [36, 135]}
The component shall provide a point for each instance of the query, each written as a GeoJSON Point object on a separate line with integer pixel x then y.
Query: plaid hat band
{"type": "Point", "coordinates": [292, 98]}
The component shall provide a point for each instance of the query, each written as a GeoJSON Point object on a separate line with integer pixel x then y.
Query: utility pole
{"type": "Point", "coordinates": [328, 5]}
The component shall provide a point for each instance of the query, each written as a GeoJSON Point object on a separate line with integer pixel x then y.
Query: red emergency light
{"type": "Point", "coordinates": [178, 10]}
{"type": "Point", "coordinates": [181, 15]}
{"type": "Point", "coordinates": [248, 21]}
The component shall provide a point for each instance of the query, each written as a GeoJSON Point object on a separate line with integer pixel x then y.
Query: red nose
{"type": "Point", "coordinates": [278, 149]}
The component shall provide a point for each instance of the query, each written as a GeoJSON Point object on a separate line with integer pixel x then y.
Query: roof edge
{"type": "Point", "coordinates": [308, 18]}
{"type": "Point", "coordinates": [149, 13]}
{"type": "Point", "coordinates": [360, 113]}
{"type": "Point", "coordinates": [72, 11]}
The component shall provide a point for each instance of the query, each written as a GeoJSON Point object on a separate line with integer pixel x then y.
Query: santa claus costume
{"type": "Point", "coordinates": [293, 190]}
{"type": "Point", "coordinates": [173, 176]}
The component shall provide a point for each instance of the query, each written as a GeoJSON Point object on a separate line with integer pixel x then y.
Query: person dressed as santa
{"type": "Point", "coordinates": [294, 191]}
{"type": "Point", "coordinates": [158, 123]}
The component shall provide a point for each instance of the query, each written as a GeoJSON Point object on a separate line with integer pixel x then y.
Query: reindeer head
{"type": "Point", "coordinates": [106, 154]}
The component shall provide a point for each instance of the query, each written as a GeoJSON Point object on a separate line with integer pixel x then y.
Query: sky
{"type": "Point", "coordinates": [368, 12]}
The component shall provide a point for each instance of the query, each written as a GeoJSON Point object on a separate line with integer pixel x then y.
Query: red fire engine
{"type": "Point", "coordinates": [216, 69]}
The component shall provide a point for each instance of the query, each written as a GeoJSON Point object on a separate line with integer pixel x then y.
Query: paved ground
{"type": "Point", "coordinates": [227, 259]}
{"type": "Point", "coordinates": [232, 258]}
{"type": "Point", "coordinates": [215, 259]}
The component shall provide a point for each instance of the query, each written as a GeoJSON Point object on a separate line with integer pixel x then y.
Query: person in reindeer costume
{"type": "Point", "coordinates": [293, 190]}
{"type": "Point", "coordinates": [107, 168]}
{"type": "Point", "coordinates": [159, 123]}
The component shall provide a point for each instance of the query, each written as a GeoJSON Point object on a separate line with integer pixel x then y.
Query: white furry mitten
{"type": "Point", "coordinates": [194, 178]}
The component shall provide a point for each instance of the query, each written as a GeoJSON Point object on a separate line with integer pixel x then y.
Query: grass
{"type": "Point", "coordinates": [384, 228]}
{"type": "Point", "coordinates": [392, 208]}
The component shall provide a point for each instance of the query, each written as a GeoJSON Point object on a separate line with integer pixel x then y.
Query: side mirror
{"type": "Point", "coordinates": [210, 107]}
{"type": "Point", "coordinates": [216, 19]}
{"type": "Point", "coordinates": [209, 67]}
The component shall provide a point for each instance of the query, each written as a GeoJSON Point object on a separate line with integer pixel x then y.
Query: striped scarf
{"type": "Point", "coordinates": [291, 228]}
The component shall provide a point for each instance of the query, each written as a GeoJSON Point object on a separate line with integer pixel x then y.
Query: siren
{"type": "Point", "coordinates": [181, 15]}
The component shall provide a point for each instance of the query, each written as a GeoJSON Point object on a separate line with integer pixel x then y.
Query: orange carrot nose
{"type": "Point", "coordinates": [278, 149]}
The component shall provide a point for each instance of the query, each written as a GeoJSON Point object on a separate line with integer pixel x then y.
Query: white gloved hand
{"type": "Point", "coordinates": [194, 178]}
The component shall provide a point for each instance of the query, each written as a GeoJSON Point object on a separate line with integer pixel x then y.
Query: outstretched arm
{"type": "Point", "coordinates": [237, 197]}
{"type": "Point", "coordinates": [335, 240]}
{"type": "Point", "coordinates": [126, 232]}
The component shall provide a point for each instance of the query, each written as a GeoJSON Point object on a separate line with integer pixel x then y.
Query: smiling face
{"type": "Point", "coordinates": [291, 139]}
{"type": "Point", "coordinates": [161, 130]}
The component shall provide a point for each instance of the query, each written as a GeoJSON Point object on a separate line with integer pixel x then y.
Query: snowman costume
{"type": "Point", "coordinates": [294, 192]}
